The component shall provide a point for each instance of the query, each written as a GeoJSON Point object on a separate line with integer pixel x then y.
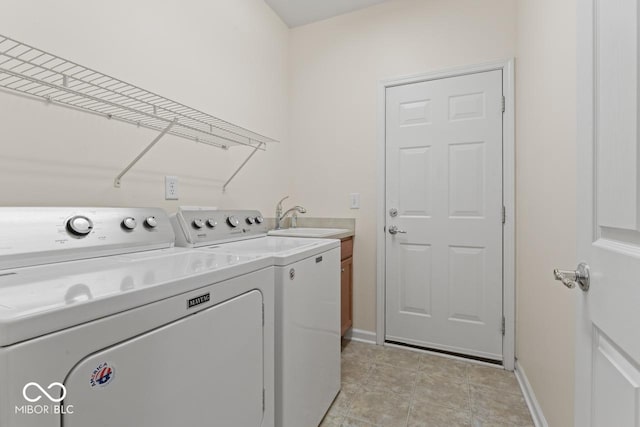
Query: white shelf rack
{"type": "Point", "coordinates": [34, 72]}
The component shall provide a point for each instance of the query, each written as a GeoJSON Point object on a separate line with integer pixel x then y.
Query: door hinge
{"type": "Point", "coordinates": [503, 326]}
{"type": "Point", "coordinates": [504, 215]}
{"type": "Point", "coordinates": [504, 104]}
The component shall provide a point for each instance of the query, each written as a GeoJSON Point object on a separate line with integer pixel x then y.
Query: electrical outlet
{"type": "Point", "coordinates": [354, 200]}
{"type": "Point", "coordinates": [171, 188]}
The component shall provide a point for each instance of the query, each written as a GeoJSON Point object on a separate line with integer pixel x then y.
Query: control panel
{"type": "Point", "coordinates": [202, 227]}
{"type": "Point", "coordinates": [36, 236]}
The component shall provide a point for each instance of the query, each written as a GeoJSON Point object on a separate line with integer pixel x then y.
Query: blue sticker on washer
{"type": "Point", "coordinates": [103, 375]}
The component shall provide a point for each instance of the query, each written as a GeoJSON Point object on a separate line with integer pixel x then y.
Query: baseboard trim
{"type": "Point", "coordinates": [361, 336]}
{"type": "Point", "coordinates": [530, 397]}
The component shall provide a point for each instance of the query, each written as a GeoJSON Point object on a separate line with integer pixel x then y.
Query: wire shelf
{"type": "Point", "coordinates": [32, 71]}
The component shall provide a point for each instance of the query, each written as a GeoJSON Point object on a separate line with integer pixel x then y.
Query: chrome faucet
{"type": "Point", "coordinates": [279, 212]}
{"type": "Point", "coordinates": [280, 216]}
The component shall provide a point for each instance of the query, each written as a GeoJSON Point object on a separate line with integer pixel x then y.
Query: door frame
{"type": "Point", "coordinates": [508, 191]}
{"type": "Point", "coordinates": [585, 147]}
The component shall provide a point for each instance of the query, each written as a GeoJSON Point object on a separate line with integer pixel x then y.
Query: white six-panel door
{"type": "Point", "coordinates": [608, 314]}
{"type": "Point", "coordinates": [444, 180]}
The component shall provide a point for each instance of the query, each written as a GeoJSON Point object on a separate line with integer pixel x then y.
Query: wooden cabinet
{"type": "Point", "coordinates": [346, 284]}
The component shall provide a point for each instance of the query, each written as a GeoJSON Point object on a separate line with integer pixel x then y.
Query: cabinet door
{"type": "Point", "coordinates": [347, 294]}
{"type": "Point", "coordinates": [346, 248]}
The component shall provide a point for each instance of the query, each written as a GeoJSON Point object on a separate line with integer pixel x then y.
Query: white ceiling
{"type": "Point", "coordinates": [299, 12]}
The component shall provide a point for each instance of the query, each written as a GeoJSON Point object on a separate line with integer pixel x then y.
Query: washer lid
{"type": "Point", "coordinates": [43, 299]}
{"type": "Point", "coordinates": [284, 250]}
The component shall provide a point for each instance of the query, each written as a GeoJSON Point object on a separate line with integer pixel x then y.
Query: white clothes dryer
{"type": "Point", "coordinates": [104, 323]}
{"type": "Point", "coordinates": [307, 304]}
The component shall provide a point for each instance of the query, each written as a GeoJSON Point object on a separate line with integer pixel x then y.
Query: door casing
{"type": "Point", "coordinates": [508, 172]}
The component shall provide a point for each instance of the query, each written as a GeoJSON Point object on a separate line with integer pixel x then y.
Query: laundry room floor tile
{"type": "Point", "coordinates": [390, 386]}
{"type": "Point", "coordinates": [481, 422]}
{"type": "Point", "coordinates": [342, 402]}
{"type": "Point", "coordinates": [380, 408]}
{"type": "Point", "coordinates": [499, 405]}
{"type": "Point", "coordinates": [355, 371]}
{"type": "Point", "coordinates": [351, 422]}
{"type": "Point", "coordinates": [388, 378]}
{"type": "Point", "coordinates": [449, 368]}
{"type": "Point", "coordinates": [492, 377]}
{"type": "Point", "coordinates": [442, 391]}
{"type": "Point", "coordinates": [399, 358]}
{"type": "Point", "coordinates": [360, 350]}
{"type": "Point", "coordinates": [431, 415]}
{"type": "Point", "coordinates": [332, 420]}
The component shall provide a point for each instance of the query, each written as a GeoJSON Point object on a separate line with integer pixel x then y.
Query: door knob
{"type": "Point", "coordinates": [394, 230]}
{"type": "Point", "coordinates": [571, 278]}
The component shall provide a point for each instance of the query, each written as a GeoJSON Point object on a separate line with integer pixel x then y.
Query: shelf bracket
{"type": "Point", "coordinates": [224, 187]}
{"type": "Point", "coordinates": [116, 182]}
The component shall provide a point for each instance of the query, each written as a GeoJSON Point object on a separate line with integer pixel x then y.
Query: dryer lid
{"type": "Point", "coordinates": [43, 299]}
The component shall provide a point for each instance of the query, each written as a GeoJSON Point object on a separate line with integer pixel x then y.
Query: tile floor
{"type": "Point", "coordinates": [386, 386]}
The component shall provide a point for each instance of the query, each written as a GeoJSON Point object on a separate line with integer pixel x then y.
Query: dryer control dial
{"type": "Point", "coordinates": [129, 223]}
{"type": "Point", "coordinates": [79, 225]}
{"type": "Point", "coordinates": [151, 222]}
{"type": "Point", "coordinates": [251, 220]}
{"type": "Point", "coordinates": [198, 223]}
{"type": "Point", "coordinates": [259, 219]}
{"type": "Point", "coordinates": [212, 223]}
{"type": "Point", "coordinates": [233, 221]}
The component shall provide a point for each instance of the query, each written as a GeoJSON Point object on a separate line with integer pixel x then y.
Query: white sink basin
{"type": "Point", "coordinates": [308, 232]}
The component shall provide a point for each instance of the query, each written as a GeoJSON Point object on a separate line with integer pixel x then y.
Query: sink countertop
{"type": "Point", "coordinates": [337, 228]}
{"type": "Point", "coordinates": [316, 232]}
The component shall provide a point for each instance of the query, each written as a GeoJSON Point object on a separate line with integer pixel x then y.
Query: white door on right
{"type": "Point", "coordinates": [608, 313]}
{"type": "Point", "coordinates": [444, 214]}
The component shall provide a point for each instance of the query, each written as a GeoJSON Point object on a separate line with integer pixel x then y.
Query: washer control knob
{"type": "Point", "coordinates": [259, 219]}
{"type": "Point", "coordinates": [151, 222]}
{"type": "Point", "coordinates": [198, 223]}
{"type": "Point", "coordinates": [212, 223]}
{"type": "Point", "coordinates": [233, 221]}
{"type": "Point", "coordinates": [129, 223]}
{"type": "Point", "coordinates": [79, 225]}
{"type": "Point", "coordinates": [251, 220]}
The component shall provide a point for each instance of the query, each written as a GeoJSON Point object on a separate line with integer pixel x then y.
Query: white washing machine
{"type": "Point", "coordinates": [104, 323]}
{"type": "Point", "coordinates": [307, 286]}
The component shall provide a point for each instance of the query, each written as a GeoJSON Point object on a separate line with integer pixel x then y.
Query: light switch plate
{"type": "Point", "coordinates": [354, 200]}
{"type": "Point", "coordinates": [171, 188]}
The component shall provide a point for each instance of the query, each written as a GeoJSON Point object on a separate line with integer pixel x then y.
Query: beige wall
{"type": "Point", "coordinates": [335, 69]}
{"type": "Point", "coordinates": [226, 57]}
{"type": "Point", "coordinates": [546, 213]}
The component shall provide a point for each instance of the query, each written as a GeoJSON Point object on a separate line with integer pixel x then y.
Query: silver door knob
{"type": "Point", "coordinates": [394, 230]}
{"type": "Point", "coordinates": [571, 278]}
